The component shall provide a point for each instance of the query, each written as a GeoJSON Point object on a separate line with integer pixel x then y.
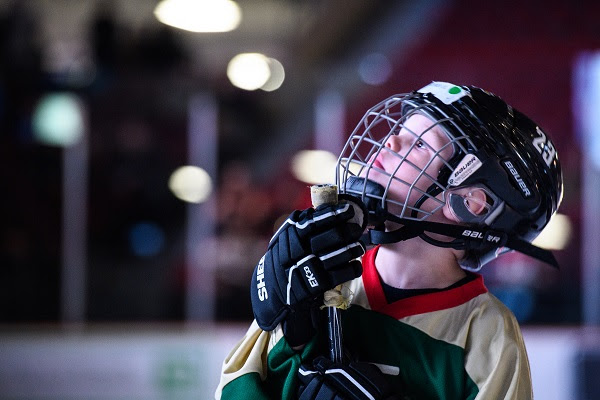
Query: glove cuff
{"type": "Point", "coordinates": [300, 325]}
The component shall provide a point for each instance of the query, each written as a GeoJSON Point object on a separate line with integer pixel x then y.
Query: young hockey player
{"type": "Point", "coordinates": [442, 180]}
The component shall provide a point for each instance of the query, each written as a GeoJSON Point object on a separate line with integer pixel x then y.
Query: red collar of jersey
{"type": "Point", "coordinates": [418, 304]}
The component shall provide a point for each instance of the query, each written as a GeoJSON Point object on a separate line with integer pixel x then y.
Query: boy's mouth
{"type": "Point", "coordinates": [377, 164]}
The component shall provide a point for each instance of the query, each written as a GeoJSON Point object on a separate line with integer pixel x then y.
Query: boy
{"type": "Point", "coordinates": [445, 178]}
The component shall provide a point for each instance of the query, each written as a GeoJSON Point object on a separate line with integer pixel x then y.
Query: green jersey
{"type": "Point", "coordinates": [459, 343]}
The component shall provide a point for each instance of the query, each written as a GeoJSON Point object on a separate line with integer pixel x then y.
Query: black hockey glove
{"type": "Point", "coordinates": [313, 251]}
{"type": "Point", "coordinates": [326, 380]}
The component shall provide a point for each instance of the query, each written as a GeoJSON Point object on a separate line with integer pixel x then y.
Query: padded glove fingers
{"type": "Point", "coordinates": [341, 256]}
{"type": "Point", "coordinates": [312, 252]}
{"type": "Point", "coordinates": [354, 381]}
{"type": "Point", "coordinates": [313, 221]}
{"type": "Point", "coordinates": [323, 242]}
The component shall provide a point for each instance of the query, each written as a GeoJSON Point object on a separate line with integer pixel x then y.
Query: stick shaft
{"type": "Point", "coordinates": [327, 194]}
{"type": "Point", "coordinates": [334, 326]}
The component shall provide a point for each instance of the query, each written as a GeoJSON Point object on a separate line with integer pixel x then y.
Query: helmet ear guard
{"type": "Point", "coordinates": [477, 207]}
{"type": "Point", "coordinates": [372, 195]}
{"type": "Point", "coordinates": [461, 208]}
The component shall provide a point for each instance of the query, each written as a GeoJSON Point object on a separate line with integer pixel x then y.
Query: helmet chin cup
{"type": "Point", "coordinates": [371, 193]}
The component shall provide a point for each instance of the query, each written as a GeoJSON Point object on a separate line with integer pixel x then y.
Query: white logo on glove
{"type": "Point", "coordinates": [260, 278]}
{"type": "Point", "coordinates": [310, 276]}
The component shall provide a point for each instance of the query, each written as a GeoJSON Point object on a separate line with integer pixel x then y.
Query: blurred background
{"type": "Point", "coordinates": [148, 150]}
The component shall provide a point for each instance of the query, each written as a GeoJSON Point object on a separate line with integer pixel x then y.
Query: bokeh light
{"type": "Point", "coordinates": [375, 69]}
{"type": "Point", "coordinates": [249, 71]}
{"type": "Point", "coordinates": [146, 239]}
{"type": "Point", "coordinates": [276, 77]}
{"type": "Point", "coordinates": [58, 120]}
{"type": "Point", "coordinates": [314, 166]}
{"type": "Point", "coordinates": [191, 184]}
{"type": "Point", "coordinates": [556, 234]}
{"type": "Point", "coordinates": [199, 15]}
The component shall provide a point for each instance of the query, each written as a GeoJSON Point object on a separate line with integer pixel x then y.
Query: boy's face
{"type": "Point", "coordinates": [413, 156]}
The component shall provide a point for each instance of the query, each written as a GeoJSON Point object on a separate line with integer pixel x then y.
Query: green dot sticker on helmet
{"type": "Point", "coordinates": [446, 92]}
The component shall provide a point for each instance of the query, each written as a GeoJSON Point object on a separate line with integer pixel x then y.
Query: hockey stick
{"type": "Point", "coordinates": [327, 194]}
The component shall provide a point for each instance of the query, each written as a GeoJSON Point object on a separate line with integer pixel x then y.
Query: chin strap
{"type": "Point", "coordinates": [466, 238]}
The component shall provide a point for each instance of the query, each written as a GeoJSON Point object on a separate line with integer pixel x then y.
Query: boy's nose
{"type": "Point", "coordinates": [394, 143]}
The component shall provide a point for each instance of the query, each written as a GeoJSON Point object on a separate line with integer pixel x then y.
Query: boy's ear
{"type": "Point", "coordinates": [467, 205]}
{"type": "Point", "coordinates": [476, 200]}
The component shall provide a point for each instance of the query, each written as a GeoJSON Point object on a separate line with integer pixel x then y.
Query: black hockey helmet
{"type": "Point", "coordinates": [495, 148]}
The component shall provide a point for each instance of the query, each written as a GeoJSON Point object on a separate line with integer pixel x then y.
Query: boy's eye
{"type": "Point", "coordinates": [420, 144]}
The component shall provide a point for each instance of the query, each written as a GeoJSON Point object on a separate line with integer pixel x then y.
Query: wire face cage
{"type": "Point", "coordinates": [408, 146]}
